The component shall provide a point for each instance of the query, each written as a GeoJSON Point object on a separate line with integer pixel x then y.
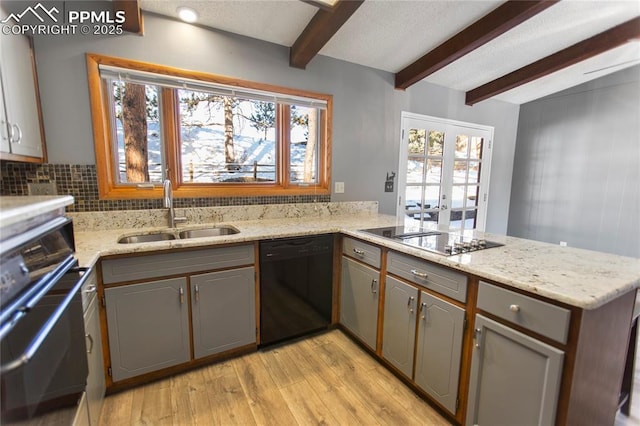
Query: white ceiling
{"type": "Point", "coordinates": [391, 34]}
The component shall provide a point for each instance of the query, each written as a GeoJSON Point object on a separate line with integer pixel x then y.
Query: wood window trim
{"type": "Point", "coordinates": [110, 189]}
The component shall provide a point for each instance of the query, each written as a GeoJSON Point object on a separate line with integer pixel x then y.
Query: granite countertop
{"type": "Point", "coordinates": [581, 278]}
{"type": "Point", "coordinates": [20, 209]}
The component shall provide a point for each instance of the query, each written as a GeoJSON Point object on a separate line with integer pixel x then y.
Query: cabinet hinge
{"type": "Point", "coordinates": [464, 324]}
{"type": "Point", "coordinates": [104, 302]}
{"type": "Point", "coordinates": [109, 372]}
{"type": "Point", "coordinates": [489, 143]}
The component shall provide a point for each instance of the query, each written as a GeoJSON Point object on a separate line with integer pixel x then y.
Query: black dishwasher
{"type": "Point", "coordinates": [296, 287]}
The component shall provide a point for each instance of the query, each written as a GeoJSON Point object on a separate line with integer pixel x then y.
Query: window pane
{"type": "Point", "coordinates": [431, 197]}
{"type": "Point", "coordinates": [136, 123]}
{"type": "Point", "coordinates": [304, 144]}
{"type": "Point", "coordinates": [226, 139]}
{"type": "Point", "coordinates": [472, 196]}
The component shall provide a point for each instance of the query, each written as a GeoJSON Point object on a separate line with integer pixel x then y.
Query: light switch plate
{"type": "Point", "coordinates": [46, 188]}
{"type": "Point", "coordinates": [339, 189]}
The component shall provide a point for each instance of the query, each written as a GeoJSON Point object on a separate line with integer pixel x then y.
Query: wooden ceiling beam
{"type": "Point", "coordinates": [492, 25]}
{"type": "Point", "coordinates": [324, 24]}
{"type": "Point", "coordinates": [600, 43]}
{"type": "Point", "coordinates": [132, 13]}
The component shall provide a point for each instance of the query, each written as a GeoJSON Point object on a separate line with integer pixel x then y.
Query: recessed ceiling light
{"type": "Point", "coordinates": [187, 14]}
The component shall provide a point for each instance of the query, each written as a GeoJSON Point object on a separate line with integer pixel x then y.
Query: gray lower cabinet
{"type": "Point", "coordinates": [399, 328]}
{"type": "Point", "coordinates": [440, 332]}
{"type": "Point", "coordinates": [359, 300]}
{"type": "Point", "coordinates": [95, 380]}
{"type": "Point", "coordinates": [515, 379]}
{"type": "Point", "coordinates": [148, 326]}
{"type": "Point", "coordinates": [223, 310]}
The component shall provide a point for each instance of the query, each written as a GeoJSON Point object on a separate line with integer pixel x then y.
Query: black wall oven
{"type": "Point", "coordinates": [43, 362]}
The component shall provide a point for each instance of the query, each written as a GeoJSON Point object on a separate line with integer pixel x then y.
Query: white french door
{"type": "Point", "coordinates": [443, 173]}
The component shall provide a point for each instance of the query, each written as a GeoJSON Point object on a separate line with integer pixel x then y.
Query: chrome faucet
{"type": "Point", "coordinates": [168, 204]}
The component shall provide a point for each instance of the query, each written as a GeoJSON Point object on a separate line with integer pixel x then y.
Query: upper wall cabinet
{"type": "Point", "coordinates": [20, 124]}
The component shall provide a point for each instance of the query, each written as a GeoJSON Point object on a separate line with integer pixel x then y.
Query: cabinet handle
{"type": "Point", "coordinates": [88, 336]}
{"type": "Point", "coordinates": [477, 333]}
{"type": "Point", "coordinates": [419, 274]}
{"type": "Point", "coordinates": [181, 295]}
{"type": "Point", "coordinates": [197, 293]}
{"type": "Point", "coordinates": [373, 284]}
{"type": "Point", "coordinates": [12, 137]}
{"type": "Point", "coordinates": [411, 299]}
{"type": "Point", "coordinates": [422, 311]}
{"type": "Point", "coordinates": [514, 308]}
{"type": "Point", "coordinates": [358, 251]}
{"type": "Point", "coordinates": [90, 289]}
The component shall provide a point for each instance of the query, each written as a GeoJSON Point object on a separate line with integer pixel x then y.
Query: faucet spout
{"type": "Point", "coordinates": [167, 193]}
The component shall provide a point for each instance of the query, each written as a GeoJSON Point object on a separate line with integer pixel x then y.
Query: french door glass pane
{"type": "Point", "coordinates": [474, 172]}
{"type": "Point", "coordinates": [417, 139]}
{"type": "Point", "coordinates": [476, 147]}
{"type": "Point", "coordinates": [462, 146]}
{"type": "Point", "coordinates": [436, 143]}
{"type": "Point", "coordinates": [434, 171]}
{"type": "Point", "coordinates": [431, 197]}
{"type": "Point", "coordinates": [460, 171]}
{"type": "Point", "coordinates": [415, 170]}
{"type": "Point", "coordinates": [472, 196]}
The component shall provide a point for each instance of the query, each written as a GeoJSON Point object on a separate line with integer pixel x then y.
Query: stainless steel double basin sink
{"type": "Point", "coordinates": [214, 231]}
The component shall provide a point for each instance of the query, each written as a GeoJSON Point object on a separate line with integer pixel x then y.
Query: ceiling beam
{"type": "Point", "coordinates": [132, 13]}
{"type": "Point", "coordinates": [492, 25]}
{"type": "Point", "coordinates": [600, 43]}
{"type": "Point", "coordinates": [323, 25]}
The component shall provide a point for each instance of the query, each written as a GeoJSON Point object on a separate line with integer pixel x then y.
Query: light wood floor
{"type": "Point", "coordinates": [326, 379]}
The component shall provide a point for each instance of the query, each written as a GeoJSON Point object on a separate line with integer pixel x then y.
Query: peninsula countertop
{"type": "Point", "coordinates": [577, 277]}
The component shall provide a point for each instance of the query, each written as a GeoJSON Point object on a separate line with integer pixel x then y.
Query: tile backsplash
{"type": "Point", "coordinates": [81, 182]}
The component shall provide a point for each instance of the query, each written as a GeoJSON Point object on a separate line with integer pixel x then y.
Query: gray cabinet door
{"type": "Point", "coordinates": [399, 329]}
{"type": "Point", "coordinates": [21, 102]}
{"type": "Point", "coordinates": [223, 310]}
{"type": "Point", "coordinates": [148, 326]}
{"type": "Point", "coordinates": [515, 379]}
{"type": "Point", "coordinates": [359, 300]}
{"type": "Point", "coordinates": [440, 329]}
{"type": "Point", "coordinates": [95, 380]}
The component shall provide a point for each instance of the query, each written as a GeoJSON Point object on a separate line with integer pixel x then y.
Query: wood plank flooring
{"type": "Point", "coordinates": [326, 379]}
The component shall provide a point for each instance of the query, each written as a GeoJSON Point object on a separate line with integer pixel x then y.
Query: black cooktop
{"type": "Point", "coordinates": [445, 243]}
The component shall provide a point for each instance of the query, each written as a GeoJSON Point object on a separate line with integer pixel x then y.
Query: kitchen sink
{"type": "Point", "coordinates": [147, 238]}
{"type": "Point", "coordinates": [208, 232]}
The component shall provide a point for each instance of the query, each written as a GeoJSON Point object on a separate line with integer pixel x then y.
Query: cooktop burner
{"type": "Point", "coordinates": [444, 243]}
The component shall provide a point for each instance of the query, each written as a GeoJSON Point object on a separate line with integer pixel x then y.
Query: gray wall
{"type": "Point", "coordinates": [577, 167]}
{"type": "Point", "coordinates": [366, 123]}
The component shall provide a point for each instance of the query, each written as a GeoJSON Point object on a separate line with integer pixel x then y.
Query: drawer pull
{"type": "Point", "coordinates": [373, 284]}
{"type": "Point", "coordinates": [88, 336]}
{"type": "Point", "coordinates": [514, 308]}
{"type": "Point", "coordinates": [358, 251]}
{"type": "Point", "coordinates": [419, 274]}
{"type": "Point", "coordinates": [90, 289]}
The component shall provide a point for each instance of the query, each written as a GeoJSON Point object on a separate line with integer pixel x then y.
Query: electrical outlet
{"type": "Point", "coordinates": [46, 188]}
{"type": "Point", "coordinates": [339, 188]}
{"type": "Point", "coordinates": [563, 243]}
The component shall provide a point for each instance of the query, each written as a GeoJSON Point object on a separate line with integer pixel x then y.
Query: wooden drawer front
{"type": "Point", "coordinates": [364, 252]}
{"type": "Point", "coordinates": [161, 265]}
{"type": "Point", "coordinates": [436, 278]}
{"type": "Point", "coordinates": [533, 314]}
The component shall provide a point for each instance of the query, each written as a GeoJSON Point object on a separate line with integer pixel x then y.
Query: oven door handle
{"type": "Point", "coordinates": [35, 344]}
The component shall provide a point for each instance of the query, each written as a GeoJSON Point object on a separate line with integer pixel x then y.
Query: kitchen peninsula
{"type": "Point", "coordinates": [588, 296]}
